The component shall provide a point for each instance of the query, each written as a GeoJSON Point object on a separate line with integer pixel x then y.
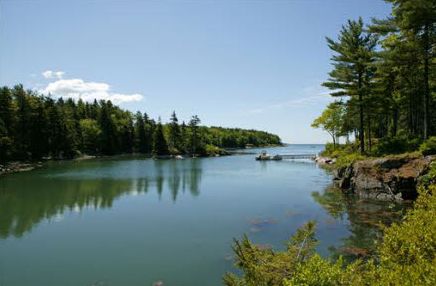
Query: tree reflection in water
{"type": "Point", "coordinates": [26, 202]}
{"type": "Point", "coordinates": [365, 220]}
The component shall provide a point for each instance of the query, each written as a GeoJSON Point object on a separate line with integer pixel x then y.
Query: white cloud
{"type": "Point", "coordinates": [53, 74]}
{"type": "Point", "coordinates": [309, 96]}
{"type": "Point", "coordinates": [87, 91]}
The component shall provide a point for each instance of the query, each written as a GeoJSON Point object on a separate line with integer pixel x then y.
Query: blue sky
{"type": "Point", "coordinates": [250, 64]}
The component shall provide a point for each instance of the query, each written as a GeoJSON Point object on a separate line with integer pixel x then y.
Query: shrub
{"type": "Point", "coordinates": [211, 150]}
{"type": "Point", "coordinates": [347, 160]}
{"type": "Point", "coordinates": [396, 145]}
{"type": "Point", "coordinates": [339, 150]}
{"type": "Point", "coordinates": [406, 256]}
{"type": "Point", "coordinates": [429, 178]}
{"type": "Point", "coordinates": [429, 146]}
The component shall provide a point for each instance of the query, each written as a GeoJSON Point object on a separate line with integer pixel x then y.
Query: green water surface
{"type": "Point", "coordinates": [135, 221]}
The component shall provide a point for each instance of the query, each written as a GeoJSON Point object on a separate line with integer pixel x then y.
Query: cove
{"type": "Point", "coordinates": [135, 221]}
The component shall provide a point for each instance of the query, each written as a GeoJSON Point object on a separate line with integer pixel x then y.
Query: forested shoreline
{"type": "Point", "coordinates": [384, 80]}
{"type": "Point", "coordinates": [35, 126]}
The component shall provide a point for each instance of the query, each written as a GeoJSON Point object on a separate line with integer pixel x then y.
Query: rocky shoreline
{"type": "Point", "coordinates": [16, 167]}
{"type": "Point", "coordinates": [387, 178]}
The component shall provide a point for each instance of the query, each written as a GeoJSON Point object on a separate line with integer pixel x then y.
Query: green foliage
{"type": "Point", "coordinates": [429, 146]}
{"type": "Point", "coordinates": [332, 120]}
{"type": "Point", "coordinates": [333, 151]}
{"type": "Point", "coordinates": [386, 72]}
{"type": "Point", "coordinates": [317, 271]}
{"type": "Point", "coordinates": [213, 150]}
{"type": "Point", "coordinates": [344, 154]}
{"type": "Point", "coordinates": [408, 251]}
{"type": "Point", "coordinates": [429, 178]}
{"type": "Point", "coordinates": [160, 145]}
{"type": "Point", "coordinates": [140, 133]}
{"type": "Point", "coordinates": [264, 266]}
{"type": "Point", "coordinates": [395, 145]}
{"type": "Point", "coordinates": [33, 126]}
{"type": "Point", "coordinates": [195, 142]}
{"type": "Point", "coordinates": [175, 139]}
{"type": "Point", "coordinates": [406, 256]}
{"type": "Point", "coordinates": [348, 159]}
{"type": "Point", "coordinates": [90, 135]}
{"type": "Point", "coordinates": [353, 71]}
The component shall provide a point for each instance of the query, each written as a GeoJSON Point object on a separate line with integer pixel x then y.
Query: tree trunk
{"type": "Point", "coordinates": [369, 132]}
{"type": "Point", "coordinates": [361, 127]}
{"type": "Point", "coordinates": [395, 121]}
{"type": "Point", "coordinates": [426, 83]}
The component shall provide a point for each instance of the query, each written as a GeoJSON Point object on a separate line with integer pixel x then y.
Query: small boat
{"type": "Point", "coordinates": [265, 157]}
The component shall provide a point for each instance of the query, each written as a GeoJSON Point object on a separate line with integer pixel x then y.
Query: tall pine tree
{"type": "Point", "coordinates": [353, 69]}
{"type": "Point", "coordinates": [160, 145]}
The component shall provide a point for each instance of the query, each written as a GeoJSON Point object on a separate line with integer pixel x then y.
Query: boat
{"type": "Point", "coordinates": [263, 156]}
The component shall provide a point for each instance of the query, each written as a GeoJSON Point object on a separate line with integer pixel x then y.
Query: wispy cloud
{"type": "Point", "coordinates": [77, 88]}
{"type": "Point", "coordinates": [309, 96]}
{"type": "Point", "coordinates": [49, 74]}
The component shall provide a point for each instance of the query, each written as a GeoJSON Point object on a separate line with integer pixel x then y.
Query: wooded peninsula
{"type": "Point", "coordinates": [35, 126]}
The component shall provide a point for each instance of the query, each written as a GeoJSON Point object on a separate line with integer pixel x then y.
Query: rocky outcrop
{"type": "Point", "coordinates": [388, 178]}
{"type": "Point", "coordinates": [14, 167]}
{"type": "Point", "coordinates": [320, 160]}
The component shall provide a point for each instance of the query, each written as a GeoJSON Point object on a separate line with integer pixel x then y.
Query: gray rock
{"type": "Point", "coordinates": [389, 178]}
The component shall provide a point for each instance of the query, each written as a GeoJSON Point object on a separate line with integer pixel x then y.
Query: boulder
{"type": "Point", "coordinates": [388, 178]}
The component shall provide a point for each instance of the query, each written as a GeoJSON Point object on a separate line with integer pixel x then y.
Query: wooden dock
{"type": "Point", "coordinates": [298, 156]}
{"type": "Point", "coordinates": [277, 157]}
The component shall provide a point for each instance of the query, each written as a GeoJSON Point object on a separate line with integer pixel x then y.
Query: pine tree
{"type": "Point", "coordinates": [353, 70]}
{"type": "Point", "coordinates": [149, 126]}
{"type": "Point", "coordinates": [127, 133]}
{"type": "Point", "coordinates": [174, 134]}
{"type": "Point", "coordinates": [23, 123]}
{"type": "Point", "coordinates": [418, 17]}
{"type": "Point", "coordinates": [6, 124]}
{"type": "Point", "coordinates": [140, 142]}
{"type": "Point", "coordinates": [184, 138]}
{"type": "Point", "coordinates": [160, 146]}
{"type": "Point", "coordinates": [108, 135]}
{"type": "Point", "coordinates": [195, 136]}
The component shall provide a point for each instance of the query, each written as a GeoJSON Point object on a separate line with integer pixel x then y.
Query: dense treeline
{"type": "Point", "coordinates": [33, 126]}
{"type": "Point", "coordinates": [385, 78]}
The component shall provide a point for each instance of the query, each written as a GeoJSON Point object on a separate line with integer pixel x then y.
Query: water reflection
{"type": "Point", "coordinates": [22, 206]}
{"type": "Point", "coordinates": [365, 219]}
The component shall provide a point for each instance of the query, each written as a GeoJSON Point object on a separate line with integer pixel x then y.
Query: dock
{"type": "Point", "coordinates": [266, 157]}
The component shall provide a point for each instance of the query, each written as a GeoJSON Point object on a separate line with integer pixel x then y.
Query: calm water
{"type": "Point", "coordinates": [134, 221]}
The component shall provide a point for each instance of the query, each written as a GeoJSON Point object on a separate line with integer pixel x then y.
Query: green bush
{"type": "Point", "coordinates": [395, 145]}
{"type": "Point", "coordinates": [335, 151]}
{"type": "Point", "coordinates": [406, 256]}
{"type": "Point", "coordinates": [348, 159]}
{"type": "Point", "coordinates": [212, 150]}
{"type": "Point", "coordinates": [429, 146]}
{"type": "Point", "coordinates": [429, 178]}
